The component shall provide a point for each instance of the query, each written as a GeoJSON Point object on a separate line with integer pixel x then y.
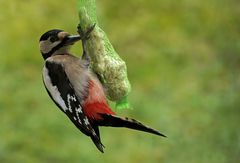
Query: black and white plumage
{"type": "Point", "coordinates": [58, 79]}
{"type": "Point", "coordinates": [76, 90]}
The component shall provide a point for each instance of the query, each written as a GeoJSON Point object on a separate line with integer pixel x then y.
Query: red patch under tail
{"type": "Point", "coordinates": [94, 110]}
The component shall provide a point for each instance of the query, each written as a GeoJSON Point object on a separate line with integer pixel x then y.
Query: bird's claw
{"type": "Point", "coordinates": [86, 35]}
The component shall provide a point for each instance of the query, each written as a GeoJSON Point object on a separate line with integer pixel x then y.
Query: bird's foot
{"type": "Point", "coordinates": [85, 35]}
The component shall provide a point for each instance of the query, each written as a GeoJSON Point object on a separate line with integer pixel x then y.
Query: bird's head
{"type": "Point", "coordinates": [56, 42]}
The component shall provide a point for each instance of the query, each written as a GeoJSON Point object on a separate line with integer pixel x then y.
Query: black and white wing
{"type": "Point", "coordinates": [62, 93]}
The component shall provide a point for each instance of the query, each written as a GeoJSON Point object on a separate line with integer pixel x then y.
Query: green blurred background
{"type": "Point", "coordinates": [183, 60]}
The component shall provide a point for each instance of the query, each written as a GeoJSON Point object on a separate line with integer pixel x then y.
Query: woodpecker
{"type": "Point", "coordinates": [76, 90]}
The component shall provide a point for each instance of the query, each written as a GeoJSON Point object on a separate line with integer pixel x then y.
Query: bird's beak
{"type": "Point", "coordinates": [69, 40]}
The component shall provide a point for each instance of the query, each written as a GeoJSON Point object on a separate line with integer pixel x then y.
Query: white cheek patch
{"type": "Point", "coordinates": [46, 46]}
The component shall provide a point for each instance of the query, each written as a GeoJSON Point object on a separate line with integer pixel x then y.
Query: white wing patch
{"type": "Point", "coordinates": [86, 121]}
{"type": "Point", "coordinates": [53, 90]}
{"type": "Point", "coordinates": [79, 110]}
{"type": "Point", "coordinates": [73, 98]}
{"type": "Point", "coordinates": [67, 100]}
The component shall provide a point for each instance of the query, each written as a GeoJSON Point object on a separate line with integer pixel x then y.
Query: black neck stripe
{"type": "Point", "coordinates": [54, 49]}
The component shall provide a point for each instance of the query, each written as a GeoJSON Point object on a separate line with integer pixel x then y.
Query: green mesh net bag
{"type": "Point", "coordinates": [105, 62]}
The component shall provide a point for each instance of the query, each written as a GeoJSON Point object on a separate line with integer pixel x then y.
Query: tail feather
{"type": "Point", "coordinates": [98, 143]}
{"type": "Point", "coordinates": [115, 121]}
{"type": "Point", "coordinates": [96, 138]}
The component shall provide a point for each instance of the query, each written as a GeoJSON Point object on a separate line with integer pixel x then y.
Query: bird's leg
{"type": "Point", "coordinates": [84, 37]}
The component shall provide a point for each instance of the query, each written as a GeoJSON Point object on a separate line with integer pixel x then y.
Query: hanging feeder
{"type": "Point", "coordinates": [105, 62]}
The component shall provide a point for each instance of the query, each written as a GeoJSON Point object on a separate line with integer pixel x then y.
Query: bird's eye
{"type": "Point", "coordinates": [53, 39]}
